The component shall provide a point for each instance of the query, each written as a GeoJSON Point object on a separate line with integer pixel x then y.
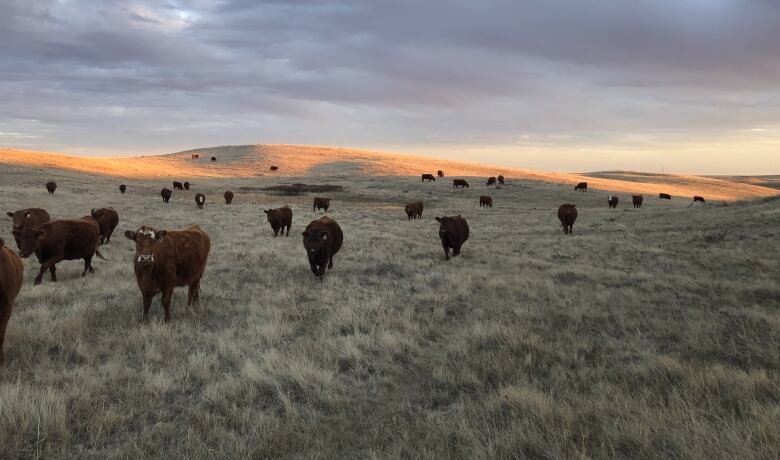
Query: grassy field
{"type": "Point", "coordinates": [647, 333]}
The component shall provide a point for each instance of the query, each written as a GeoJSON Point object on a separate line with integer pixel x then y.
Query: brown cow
{"type": "Point", "coordinates": [164, 260]}
{"type": "Point", "coordinates": [11, 276]}
{"type": "Point", "coordinates": [414, 210]}
{"type": "Point", "coordinates": [567, 214]}
{"type": "Point", "coordinates": [228, 197]}
{"type": "Point", "coordinates": [491, 181]}
{"type": "Point", "coordinates": [122, 189]}
{"type": "Point", "coordinates": [165, 194]}
{"type": "Point", "coordinates": [213, 159]}
{"type": "Point", "coordinates": [178, 185]}
{"type": "Point", "coordinates": [637, 200]}
{"type": "Point", "coordinates": [26, 218]}
{"type": "Point", "coordinates": [453, 232]}
{"type": "Point", "coordinates": [322, 240]}
{"type": "Point", "coordinates": [501, 179]}
{"type": "Point", "coordinates": [60, 240]}
{"type": "Point", "coordinates": [199, 200]}
{"type": "Point", "coordinates": [107, 220]}
{"type": "Point", "coordinates": [51, 187]}
{"type": "Point", "coordinates": [274, 168]}
{"type": "Point", "coordinates": [186, 185]}
{"type": "Point", "coordinates": [428, 177]}
{"type": "Point", "coordinates": [460, 183]}
{"type": "Point", "coordinates": [698, 199]}
{"type": "Point", "coordinates": [440, 173]}
{"type": "Point", "coordinates": [195, 156]}
{"type": "Point", "coordinates": [612, 201]}
{"type": "Point", "coordinates": [582, 186]}
{"type": "Point", "coordinates": [485, 201]}
{"type": "Point", "coordinates": [664, 196]}
{"type": "Point", "coordinates": [280, 218]}
{"type": "Point", "coordinates": [321, 203]}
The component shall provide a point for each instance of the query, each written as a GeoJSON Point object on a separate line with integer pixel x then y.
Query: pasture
{"type": "Point", "coordinates": [647, 333]}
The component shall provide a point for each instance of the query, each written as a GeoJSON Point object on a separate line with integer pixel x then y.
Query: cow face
{"type": "Point", "coordinates": [270, 214]}
{"type": "Point", "coordinates": [29, 241]}
{"type": "Point", "coordinates": [21, 219]}
{"type": "Point", "coordinates": [315, 240]}
{"type": "Point", "coordinates": [146, 240]}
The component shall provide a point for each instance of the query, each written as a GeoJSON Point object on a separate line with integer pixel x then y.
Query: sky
{"type": "Point", "coordinates": [688, 86]}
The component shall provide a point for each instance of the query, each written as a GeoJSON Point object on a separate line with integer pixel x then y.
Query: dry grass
{"type": "Point", "coordinates": [646, 334]}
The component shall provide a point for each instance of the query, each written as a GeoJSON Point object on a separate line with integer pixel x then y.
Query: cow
{"type": "Point", "coordinates": [178, 185]}
{"type": "Point", "coordinates": [274, 168]}
{"type": "Point", "coordinates": [60, 240]}
{"type": "Point", "coordinates": [582, 186]}
{"type": "Point", "coordinates": [199, 200]}
{"type": "Point", "coordinates": [213, 159]}
{"type": "Point", "coordinates": [26, 218]}
{"type": "Point", "coordinates": [164, 260]}
{"type": "Point", "coordinates": [698, 199]}
{"type": "Point", "coordinates": [460, 183]}
{"type": "Point", "coordinates": [440, 173]}
{"type": "Point", "coordinates": [453, 232]}
{"type": "Point", "coordinates": [612, 201]}
{"type": "Point", "coordinates": [485, 201]}
{"type": "Point", "coordinates": [195, 156]}
{"type": "Point", "coordinates": [637, 200]}
{"type": "Point", "coordinates": [664, 196]}
{"type": "Point", "coordinates": [186, 185]}
{"type": "Point", "coordinates": [501, 179]}
{"type": "Point", "coordinates": [414, 210]}
{"type": "Point", "coordinates": [428, 177]}
{"type": "Point", "coordinates": [567, 214]}
{"type": "Point", "coordinates": [107, 219]}
{"type": "Point", "coordinates": [51, 187]}
{"type": "Point", "coordinates": [322, 240]}
{"type": "Point", "coordinates": [321, 203]}
{"type": "Point", "coordinates": [279, 218]}
{"type": "Point", "coordinates": [228, 197]}
{"type": "Point", "coordinates": [11, 277]}
{"type": "Point", "coordinates": [491, 181]}
{"type": "Point", "coordinates": [165, 194]}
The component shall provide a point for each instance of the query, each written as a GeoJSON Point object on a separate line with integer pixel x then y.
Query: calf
{"type": "Point", "coordinates": [698, 199]}
{"type": "Point", "coordinates": [178, 185]}
{"type": "Point", "coordinates": [428, 177]}
{"type": "Point", "coordinates": [414, 210]}
{"type": "Point", "coordinates": [322, 240]}
{"type": "Point", "coordinates": [122, 189]}
{"type": "Point", "coordinates": [321, 203]}
{"type": "Point", "coordinates": [612, 201]}
{"type": "Point", "coordinates": [186, 185]}
{"type": "Point", "coordinates": [567, 214]}
{"type": "Point", "coordinates": [637, 200]}
{"type": "Point", "coordinates": [11, 276]}
{"type": "Point", "coordinates": [26, 218]}
{"type": "Point", "coordinates": [664, 196]}
{"type": "Point", "coordinates": [460, 183]}
{"type": "Point", "coordinates": [440, 173]}
{"type": "Point", "coordinates": [485, 201]}
{"type": "Point", "coordinates": [279, 219]}
{"type": "Point", "coordinates": [501, 179]}
{"type": "Point", "coordinates": [582, 186]}
{"type": "Point", "coordinates": [51, 187]}
{"type": "Point", "coordinates": [491, 181]}
{"type": "Point", "coordinates": [164, 260]}
{"type": "Point", "coordinates": [199, 200]}
{"type": "Point", "coordinates": [453, 232]}
{"type": "Point", "coordinates": [166, 195]}
{"type": "Point", "coordinates": [228, 197]}
{"type": "Point", "coordinates": [60, 240]}
{"type": "Point", "coordinates": [107, 220]}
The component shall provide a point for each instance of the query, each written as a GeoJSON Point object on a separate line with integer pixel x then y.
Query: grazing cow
{"type": "Point", "coordinates": [664, 196]}
{"type": "Point", "coordinates": [122, 189]}
{"type": "Point", "coordinates": [567, 214]}
{"type": "Point", "coordinates": [453, 232]}
{"type": "Point", "coordinates": [698, 199]}
{"type": "Point", "coordinates": [26, 218]}
{"type": "Point", "coordinates": [186, 185]}
{"type": "Point", "coordinates": [164, 260]}
{"type": "Point", "coordinates": [107, 220]}
{"type": "Point", "coordinates": [321, 203]}
{"type": "Point", "coordinates": [428, 177]}
{"type": "Point", "coordinates": [440, 173]}
{"type": "Point", "coordinates": [213, 159]}
{"type": "Point", "coordinates": [582, 186]}
{"type": "Point", "coordinates": [274, 168]}
{"type": "Point", "coordinates": [322, 240]}
{"type": "Point", "coordinates": [60, 240]}
{"type": "Point", "coordinates": [280, 218]}
{"type": "Point", "coordinates": [11, 276]}
{"type": "Point", "coordinates": [485, 201]}
{"type": "Point", "coordinates": [501, 179]}
{"type": "Point", "coordinates": [414, 210]}
{"type": "Point", "coordinates": [612, 201]}
{"type": "Point", "coordinates": [637, 200]}
{"type": "Point", "coordinates": [491, 181]}
{"type": "Point", "coordinates": [165, 194]}
{"type": "Point", "coordinates": [195, 156]}
{"type": "Point", "coordinates": [51, 187]}
{"type": "Point", "coordinates": [228, 197]}
{"type": "Point", "coordinates": [460, 183]}
{"type": "Point", "coordinates": [199, 200]}
{"type": "Point", "coordinates": [178, 185]}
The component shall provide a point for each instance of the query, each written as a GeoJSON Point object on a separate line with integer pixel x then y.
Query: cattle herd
{"type": "Point", "coordinates": [164, 259]}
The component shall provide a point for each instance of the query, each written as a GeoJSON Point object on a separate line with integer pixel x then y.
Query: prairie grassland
{"type": "Point", "coordinates": [646, 333]}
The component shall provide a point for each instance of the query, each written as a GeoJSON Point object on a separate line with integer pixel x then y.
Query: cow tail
{"type": "Point", "coordinates": [97, 253]}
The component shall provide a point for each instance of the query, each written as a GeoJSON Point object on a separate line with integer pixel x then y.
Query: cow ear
{"type": "Point", "coordinates": [267, 211]}
{"type": "Point", "coordinates": [9, 214]}
{"type": "Point", "coordinates": [130, 235]}
{"type": "Point", "coordinates": [161, 234]}
{"type": "Point", "coordinates": [438, 219]}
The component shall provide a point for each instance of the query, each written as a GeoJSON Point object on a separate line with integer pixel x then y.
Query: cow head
{"type": "Point", "coordinates": [146, 240]}
{"type": "Point", "coordinates": [315, 239]}
{"type": "Point", "coordinates": [29, 240]}
{"type": "Point", "coordinates": [21, 219]}
{"type": "Point", "coordinates": [270, 213]}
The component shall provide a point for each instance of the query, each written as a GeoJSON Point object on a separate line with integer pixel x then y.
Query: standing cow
{"type": "Point", "coordinates": [11, 276]}
{"type": "Point", "coordinates": [440, 173]}
{"type": "Point", "coordinates": [51, 187]}
{"type": "Point", "coordinates": [460, 183]}
{"type": "Point", "coordinates": [164, 260]}
{"type": "Point", "coordinates": [485, 201]}
{"type": "Point", "coordinates": [228, 197]}
{"type": "Point", "coordinates": [491, 181]}
{"type": "Point", "coordinates": [122, 189]}
{"type": "Point", "coordinates": [453, 232]}
{"type": "Point", "coordinates": [612, 201]}
{"type": "Point", "coordinates": [637, 201]}
{"type": "Point", "coordinates": [501, 179]}
{"type": "Point", "coordinates": [582, 186]}
{"type": "Point", "coordinates": [279, 218]}
{"type": "Point", "coordinates": [213, 159]}
{"type": "Point", "coordinates": [166, 195]}
{"type": "Point", "coordinates": [107, 219]}
{"type": "Point", "coordinates": [414, 210]}
{"type": "Point", "coordinates": [178, 185]}
{"type": "Point", "coordinates": [195, 156]}
{"type": "Point", "coordinates": [567, 214]}
{"type": "Point", "coordinates": [698, 199]}
{"type": "Point", "coordinates": [186, 185]}
{"type": "Point", "coordinates": [664, 196]}
{"type": "Point", "coordinates": [26, 218]}
{"type": "Point", "coordinates": [428, 177]}
{"type": "Point", "coordinates": [199, 200]}
{"type": "Point", "coordinates": [322, 239]}
{"type": "Point", "coordinates": [321, 203]}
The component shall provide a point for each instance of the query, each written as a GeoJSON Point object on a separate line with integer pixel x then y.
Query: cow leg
{"type": "Point", "coordinates": [288, 230]}
{"type": "Point", "coordinates": [330, 263]}
{"type": "Point", "coordinates": [193, 293]}
{"type": "Point", "coordinates": [87, 266]}
{"type": "Point", "coordinates": [5, 315]}
{"type": "Point", "coordinates": [167, 296]}
{"type": "Point", "coordinates": [446, 251]}
{"type": "Point", "coordinates": [53, 273]}
{"type": "Point", "coordinates": [147, 306]}
{"type": "Point", "coordinates": [314, 268]}
{"type": "Point", "coordinates": [46, 266]}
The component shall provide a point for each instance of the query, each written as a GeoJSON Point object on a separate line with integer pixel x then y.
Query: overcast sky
{"type": "Point", "coordinates": [684, 85]}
